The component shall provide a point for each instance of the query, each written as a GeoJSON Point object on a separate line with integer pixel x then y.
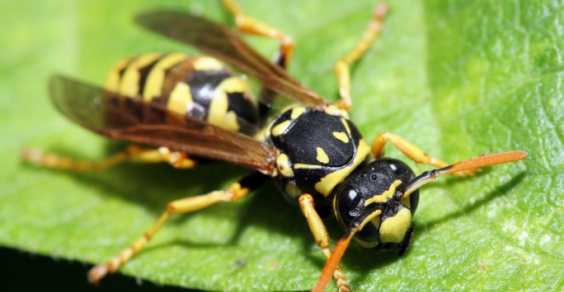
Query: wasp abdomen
{"type": "Point", "coordinates": [202, 88]}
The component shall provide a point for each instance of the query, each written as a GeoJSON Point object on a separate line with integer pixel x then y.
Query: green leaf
{"type": "Point", "coordinates": [458, 78]}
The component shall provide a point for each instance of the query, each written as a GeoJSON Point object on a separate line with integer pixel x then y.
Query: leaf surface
{"type": "Point", "coordinates": [458, 78]}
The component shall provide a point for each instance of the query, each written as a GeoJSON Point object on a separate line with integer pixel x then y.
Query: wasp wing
{"type": "Point", "coordinates": [225, 44]}
{"type": "Point", "coordinates": [130, 119]}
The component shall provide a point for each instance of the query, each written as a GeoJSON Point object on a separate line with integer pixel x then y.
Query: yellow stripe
{"type": "Point", "coordinates": [112, 83]}
{"type": "Point", "coordinates": [155, 80]}
{"type": "Point", "coordinates": [346, 125]}
{"type": "Point", "coordinates": [328, 183]}
{"type": "Point", "coordinates": [180, 98]}
{"type": "Point", "coordinates": [129, 84]}
{"type": "Point", "coordinates": [218, 114]}
{"type": "Point", "coordinates": [306, 166]}
{"type": "Point", "coordinates": [234, 84]}
{"type": "Point", "coordinates": [335, 111]}
{"type": "Point", "coordinates": [283, 165]}
{"type": "Point", "coordinates": [280, 128]}
{"type": "Point", "coordinates": [385, 196]}
{"type": "Point", "coordinates": [237, 84]}
{"type": "Point", "coordinates": [207, 64]}
{"type": "Point", "coordinates": [297, 111]}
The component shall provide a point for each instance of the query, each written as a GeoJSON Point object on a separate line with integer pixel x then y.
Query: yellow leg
{"type": "Point", "coordinates": [132, 153]}
{"type": "Point", "coordinates": [163, 154]}
{"type": "Point", "coordinates": [250, 25]}
{"type": "Point", "coordinates": [342, 68]}
{"type": "Point", "coordinates": [321, 236]}
{"type": "Point", "coordinates": [411, 151]}
{"type": "Point", "coordinates": [182, 206]}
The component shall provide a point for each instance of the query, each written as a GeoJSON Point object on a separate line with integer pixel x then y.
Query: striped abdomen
{"type": "Point", "coordinates": [199, 87]}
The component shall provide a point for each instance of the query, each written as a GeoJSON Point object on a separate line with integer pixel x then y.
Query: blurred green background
{"type": "Point", "coordinates": [458, 78]}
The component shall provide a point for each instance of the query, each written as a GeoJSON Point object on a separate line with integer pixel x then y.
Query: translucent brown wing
{"type": "Point", "coordinates": [225, 44]}
{"type": "Point", "coordinates": [125, 118]}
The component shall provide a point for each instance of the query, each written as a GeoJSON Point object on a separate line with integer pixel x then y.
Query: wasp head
{"type": "Point", "coordinates": [370, 200]}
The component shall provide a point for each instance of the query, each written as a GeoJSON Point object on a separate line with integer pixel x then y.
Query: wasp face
{"type": "Point", "coordinates": [371, 197]}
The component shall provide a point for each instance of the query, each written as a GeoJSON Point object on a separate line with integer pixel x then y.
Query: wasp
{"type": "Point", "coordinates": [178, 109]}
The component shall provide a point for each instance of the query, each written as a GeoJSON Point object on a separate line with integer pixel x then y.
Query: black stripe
{"type": "Point", "coordinates": [202, 87]}
{"type": "Point", "coordinates": [242, 107]}
{"type": "Point", "coordinates": [122, 70]}
{"type": "Point", "coordinates": [144, 74]}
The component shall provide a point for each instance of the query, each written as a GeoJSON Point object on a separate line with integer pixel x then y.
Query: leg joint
{"type": "Point", "coordinates": [305, 199]}
{"type": "Point", "coordinates": [236, 192]}
{"type": "Point", "coordinates": [171, 208]}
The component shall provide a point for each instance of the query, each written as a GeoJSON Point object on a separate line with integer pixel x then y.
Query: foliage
{"type": "Point", "coordinates": [458, 78]}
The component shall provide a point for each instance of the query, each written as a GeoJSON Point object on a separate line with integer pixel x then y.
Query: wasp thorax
{"type": "Point", "coordinates": [318, 149]}
{"type": "Point", "coordinates": [372, 197]}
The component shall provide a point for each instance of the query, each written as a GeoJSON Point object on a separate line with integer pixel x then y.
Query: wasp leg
{"type": "Point", "coordinates": [342, 67]}
{"type": "Point", "coordinates": [250, 25]}
{"type": "Point", "coordinates": [321, 236]}
{"type": "Point", "coordinates": [132, 153]}
{"type": "Point", "coordinates": [234, 192]}
{"type": "Point", "coordinates": [411, 151]}
{"type": "Point", "coordinates": [163, 154]}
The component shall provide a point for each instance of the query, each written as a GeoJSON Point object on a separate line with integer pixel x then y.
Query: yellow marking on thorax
{"type": "Point", "coordinates": [306, 166]}
{"type": "Point", "coordinates": [262, 134]}
{"type": "Point", "coordinates": [283, 165]}
{"type": "Point", "coordinates": [207, 64]}
{"type": "Point", "coordinates": [296, 112]}
{"type": "Point", "coordinates": [321, 155]}
{"type": "Point", "coordinates": [346, 125]}
{"type": "Point", "coordinates": [341, 136]}
{"type": "Point", "coordinates": [385, 196]}
{"type": "Point", "coordinates": [335, 111]}
{"type": "Point", "coordinates": [112, 83]}
{"type": "Point", "coordinates": [393, 229]}
{"type": "Point", "coordinates": [155, 79]}
{"type": "Point", "coordinates": [129, 84]}
{"type": "Point", "coordinates": [328, 183]}
{"type": "Point", "coordinates": [280, 128]}
{"type": "Point", "coordinates": [180, 98]}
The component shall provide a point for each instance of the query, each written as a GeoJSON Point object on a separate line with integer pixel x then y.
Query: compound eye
{"type": "Point", "coordinates": [350, 210]}
{"type": "Point", "coordinates": [349, 206]}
